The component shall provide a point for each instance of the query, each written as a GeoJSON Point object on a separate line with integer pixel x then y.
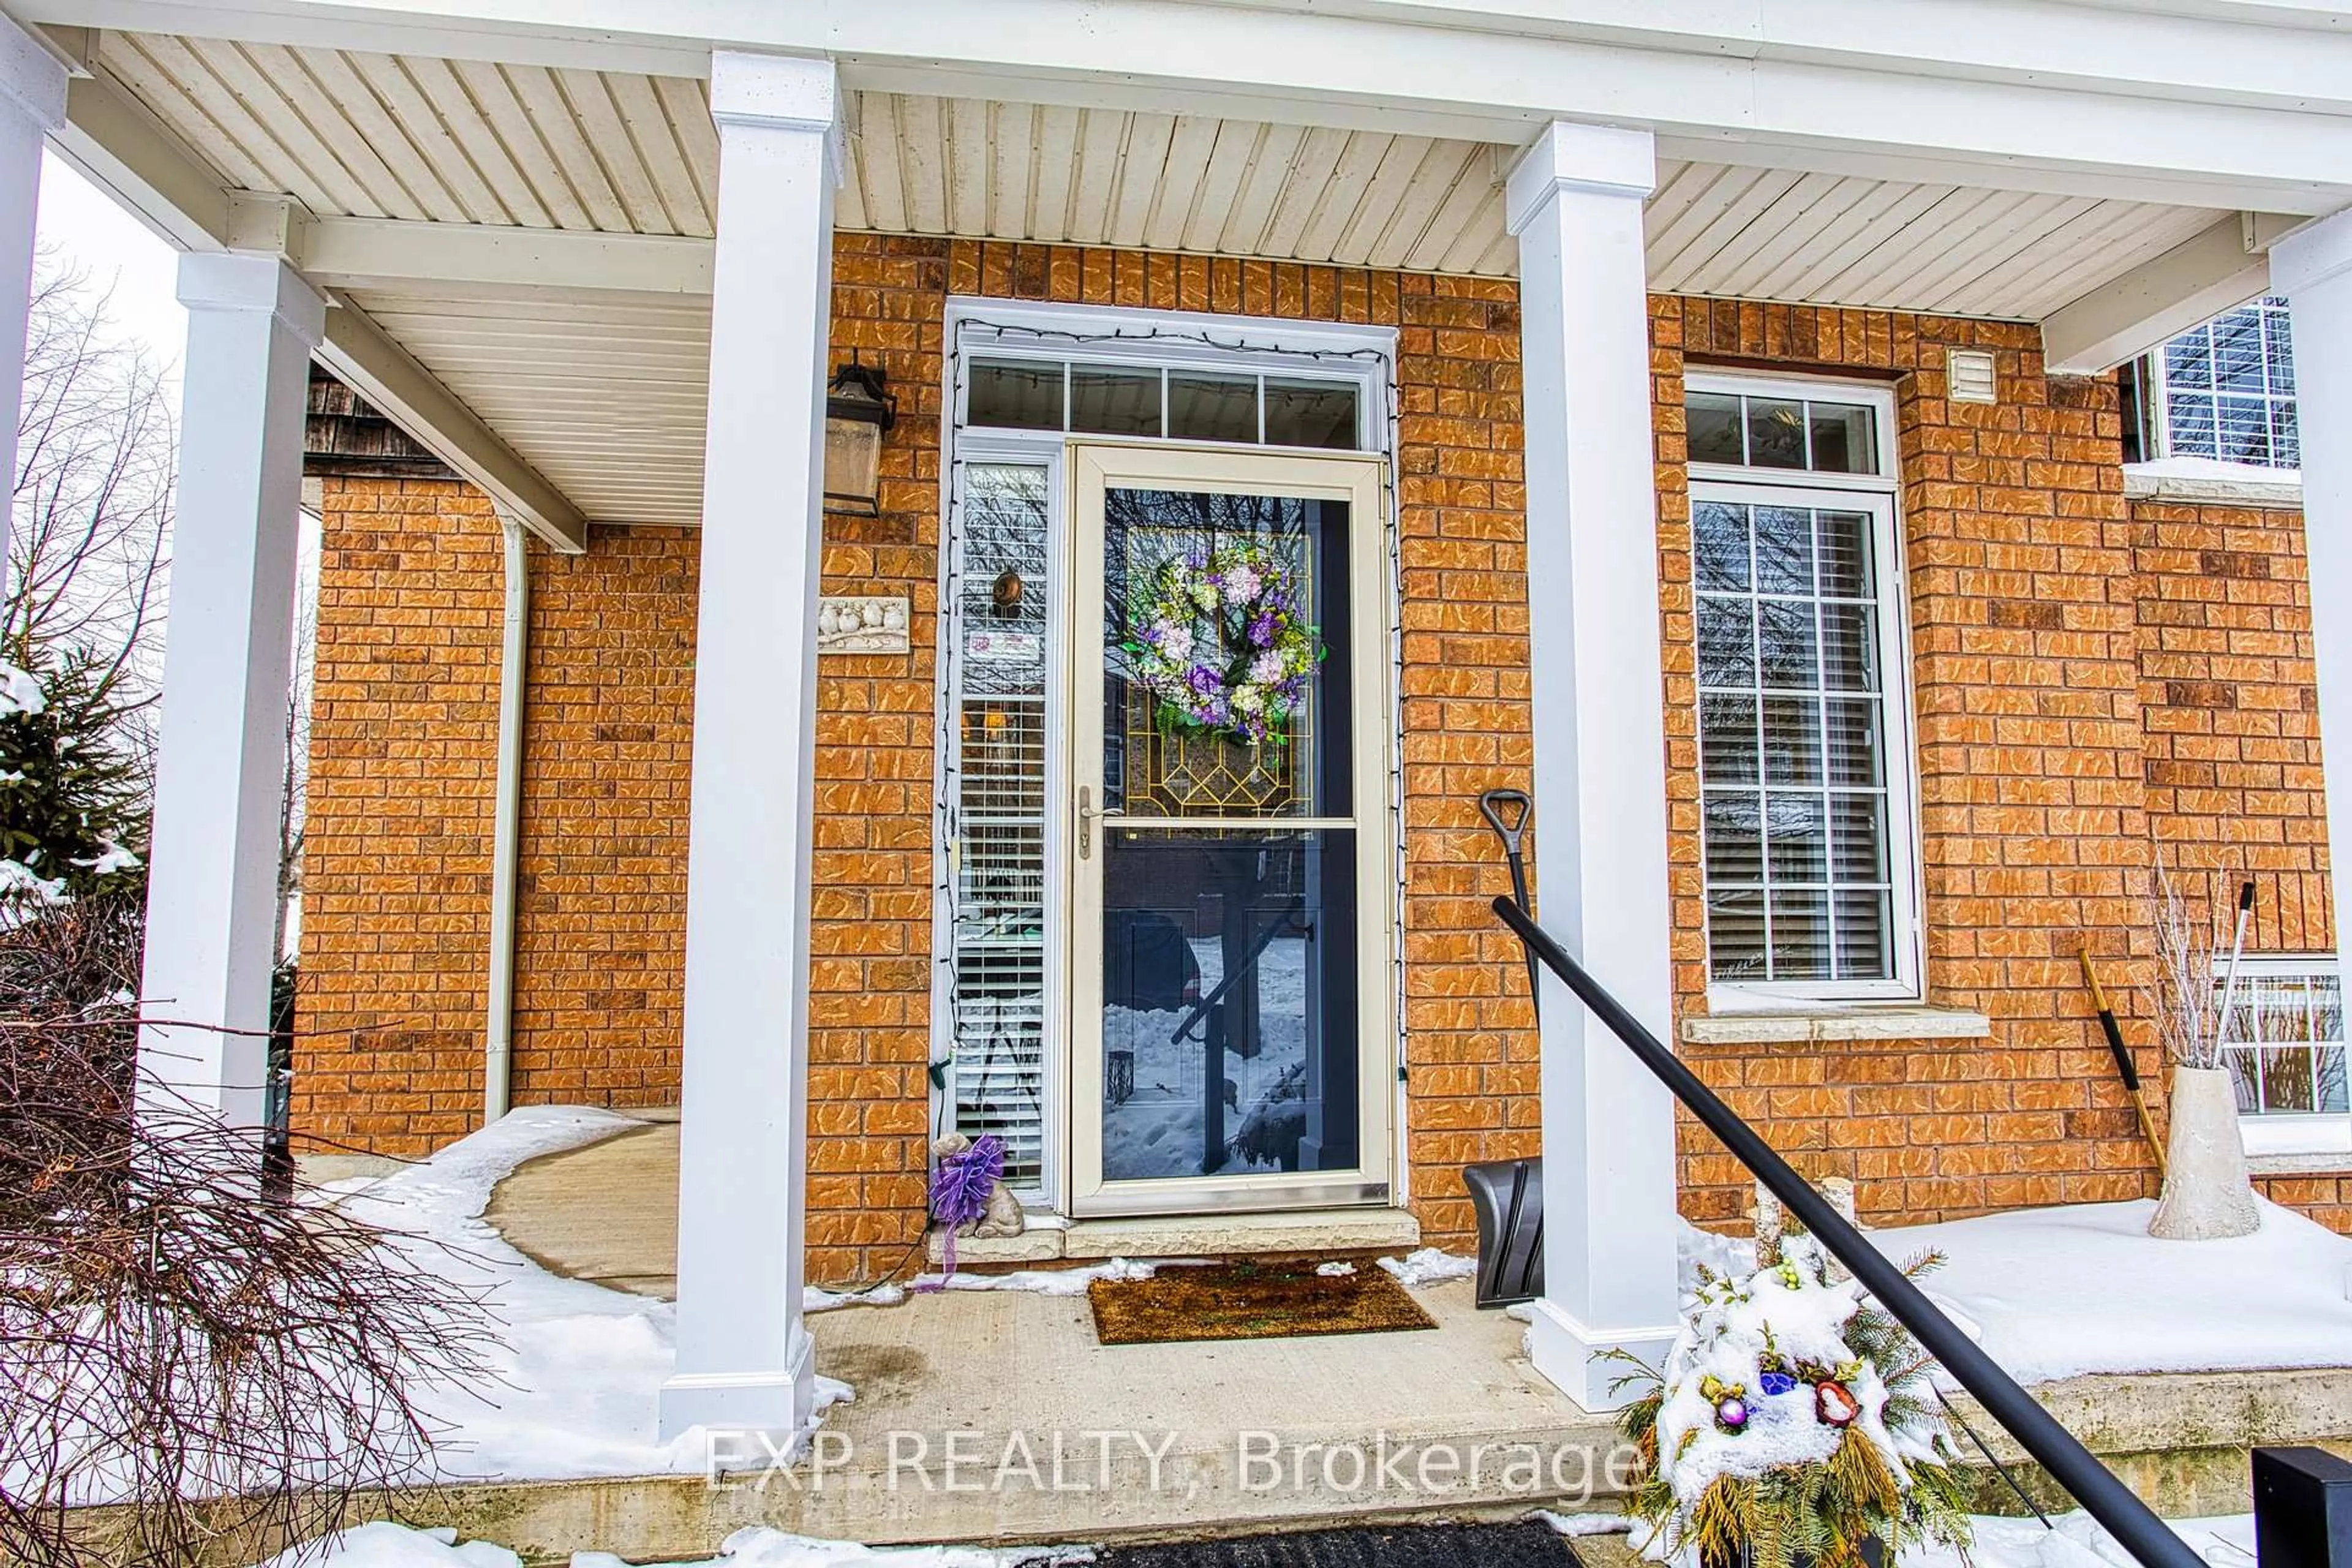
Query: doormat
{"type": "Point", "coordinates": [1252, 1299]}
{"type": "Point", "coordinates": [1528, 1543]}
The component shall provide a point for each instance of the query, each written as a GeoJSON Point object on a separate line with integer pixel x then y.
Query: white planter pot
{"type": "Point", "coordinates": [2206, 1194]}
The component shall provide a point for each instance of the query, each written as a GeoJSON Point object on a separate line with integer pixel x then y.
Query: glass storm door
{"type": "Point", "coordinates": [1231, 993]}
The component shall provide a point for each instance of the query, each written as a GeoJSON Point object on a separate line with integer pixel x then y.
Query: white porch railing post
{"type": "Point", "coordinates": [212, 894]}
{"type": "Point", "coordinates": [32, 104]}
{"type": "Point", "coordinates": [2314, 270]}
{"type": "Point", "coordinates": [1575, 203]}
{"type": "Point", "coordinates": [743, 1360]}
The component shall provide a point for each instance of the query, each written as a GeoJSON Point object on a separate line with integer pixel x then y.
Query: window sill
{"type": "Point", "coordinates": [1796, 1025]}
{"type": "Point", "coordinates": [2332, 1162]}
{"type": "Point", "coordinates": [2196, 481]}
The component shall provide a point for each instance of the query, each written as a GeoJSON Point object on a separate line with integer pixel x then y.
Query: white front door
{"type": "Point", "coordinates": [1231, 1006]}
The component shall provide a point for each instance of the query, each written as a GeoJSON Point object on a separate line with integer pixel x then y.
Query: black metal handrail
{"type": "Point", "coordinates": [2104, 1497]}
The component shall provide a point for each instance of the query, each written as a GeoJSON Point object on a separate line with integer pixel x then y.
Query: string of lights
{"type": "Point", "coordinates": [975, 335]}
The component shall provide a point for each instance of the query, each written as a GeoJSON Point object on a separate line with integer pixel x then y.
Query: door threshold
{"type": "Point", "coordinates": [1194, 1236]}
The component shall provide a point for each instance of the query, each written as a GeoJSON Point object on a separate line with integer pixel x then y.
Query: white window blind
{"type": "Point", "coordinates": [998, 986]}
{"type": "Point", "coordinates": [1803, 761]}
{"type": "Point", "coordinates": [1792, 726]}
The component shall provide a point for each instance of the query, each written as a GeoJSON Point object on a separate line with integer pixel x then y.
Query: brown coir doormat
{"type": "Point", "coordinates": [1250, 1299]}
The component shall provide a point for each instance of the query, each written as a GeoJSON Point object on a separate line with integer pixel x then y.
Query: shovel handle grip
{"type": "Point", "coordinates": [1490, 806]}
{"type": "Point", "coordinates": [2107, 1024]}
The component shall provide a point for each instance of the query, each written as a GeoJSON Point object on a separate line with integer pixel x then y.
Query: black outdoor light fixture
{"type": "Point", "coordinates": [858, 407]}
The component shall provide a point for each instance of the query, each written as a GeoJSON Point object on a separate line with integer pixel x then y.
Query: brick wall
{"type": "Point", "coordinates": [2019, 548]}
{"type": "Point", "coordinates": [2091, 678]}
{"type": "Point", "coordinates": [396, 879]}
{"type": "Point", "coordinates": [2231, 737]}
{"type": "Point", "coordinates": [397, 868]}
{"type": "Point", "coordinates": [396, 924]}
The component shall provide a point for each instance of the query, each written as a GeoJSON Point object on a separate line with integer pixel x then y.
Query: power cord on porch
{"type": "Point", "coordinates": [889, 1275]}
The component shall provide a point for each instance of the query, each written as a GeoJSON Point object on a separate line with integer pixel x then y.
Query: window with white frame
{"type": "Point", "coordinates": [2284, 1044]}
{"type": "Point", "coordinates": [1805, 754]}
{"type": "Point", "coordinates": [2227, 390]}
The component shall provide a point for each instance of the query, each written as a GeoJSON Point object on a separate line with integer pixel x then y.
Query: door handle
{"type": "Point", "coordinates": [1086, 814]}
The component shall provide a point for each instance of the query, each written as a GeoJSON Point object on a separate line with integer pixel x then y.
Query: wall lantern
{"type": "Point", "coordinates": [858, 407]}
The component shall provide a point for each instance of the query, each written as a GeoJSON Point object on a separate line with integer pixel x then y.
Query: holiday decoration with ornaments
{"type": "Point", "coordinates": [1794, 1420]}
{"type": "Point", "coordinates": [1219, 641]}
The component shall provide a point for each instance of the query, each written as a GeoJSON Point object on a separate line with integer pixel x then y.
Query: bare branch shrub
{"type": "Point", "coordinates": [232, 1367]}
{"type": "Point", "coordinates": [2188, 997]}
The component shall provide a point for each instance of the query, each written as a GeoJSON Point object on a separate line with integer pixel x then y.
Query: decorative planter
{"type": "Point", "coordinates": [2208, 1194]}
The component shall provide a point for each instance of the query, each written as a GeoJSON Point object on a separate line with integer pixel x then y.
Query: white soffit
{"type": "Point", "coordinates": [423, 139]}
{"type": "Point", "coordinates": [602, 390]}
{"type": "Point", "coordinates": [1828, 240]}
{"type": "Point", "coordinates": [605, 394]}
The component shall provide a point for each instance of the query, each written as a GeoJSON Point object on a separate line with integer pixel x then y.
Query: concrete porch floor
{"type": "Point", "coordinates": [991, 1366]}
{"type": "Point", "coordinates": [1003, 1383]}
{"type": "Point", "coordinates": [607, 1212]}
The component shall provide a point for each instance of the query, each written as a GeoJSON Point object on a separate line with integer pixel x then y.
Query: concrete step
{"type": "Point", "coordinates": [1193, 1236]}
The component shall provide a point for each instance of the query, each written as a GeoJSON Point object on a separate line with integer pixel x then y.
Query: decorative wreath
{"type": "Point", "coordinates": [1217, 640]}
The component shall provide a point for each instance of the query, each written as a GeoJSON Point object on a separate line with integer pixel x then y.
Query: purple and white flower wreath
{"type": "Point", "coordinates": [1218, 640]}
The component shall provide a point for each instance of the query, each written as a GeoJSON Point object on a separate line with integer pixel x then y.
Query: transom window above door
{"type": "Point", "coordinates": [1164, 401]}
{"type": "Point", "coordinates": [1805, 764]}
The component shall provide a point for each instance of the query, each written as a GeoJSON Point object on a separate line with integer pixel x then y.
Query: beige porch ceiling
{"type": "Point", "coordinates": [601, 390]}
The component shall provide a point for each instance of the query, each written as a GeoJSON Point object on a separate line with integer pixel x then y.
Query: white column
{"type": "Point", "coordinates": [2314, 270]}
{"type": "Point", "coordinates": [32, 104]}
{"type": "Point", "coordinates": [212, 899]}
{"type": "Point", "coordinates": [1575, 203]}
{"type": "Point", "coordinates": [743, 1360]}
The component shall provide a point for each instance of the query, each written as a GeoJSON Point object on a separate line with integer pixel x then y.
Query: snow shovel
{"type": "Point", "coordinates": [1507, 1197]}
{"type": "Point", "coordinates": [1512, 829]}
{"type": "Point", "coordinates": [2124, 1064]}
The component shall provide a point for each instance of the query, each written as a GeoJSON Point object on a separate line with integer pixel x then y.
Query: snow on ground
{"type": "Point", "coordinates": [1430, 1266]}
{"type": "Point", "coordinates": [2226, 1541]}
{"type": "Point", "coordinates": [578, 1368]}
{"type": "Point", "coordinates": [386, 1545]}
{"type": "Point", "coordinates": [2076, 1542]}
{"type": "Point", "coordinates": [2069, 1541]}
{"type": "Point", "coordinates": [2057, 1292]}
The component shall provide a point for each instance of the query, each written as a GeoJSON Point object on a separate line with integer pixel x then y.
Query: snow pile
{"type": "Point", "coordinates": [1049, 1281]}
{"type": "Point", "coordinates": [2211, 469]}
{"type": "Point", "coordinates": [112, 858]}
{"type": "Point", "coordinates": [1429, 1266]}
{"type": "Point", "coordinates": [2075, 1541]}
{"type": "Point", "coordinates": [386, 1545]}
{"type": "Point", "coordinates": [2059, 1293]}
{"type": "Point", "coordinates": [16, 877]}
{"type": "Point", "coordinates": [816, 1299]}
{"type": "Point", "coordinates": [579, 1368]}
{"type": "Point", "coordinates": [19, 692]}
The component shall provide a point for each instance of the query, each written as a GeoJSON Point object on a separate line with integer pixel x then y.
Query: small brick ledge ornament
{"type": "Point", "coordinates": [861, 622]}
